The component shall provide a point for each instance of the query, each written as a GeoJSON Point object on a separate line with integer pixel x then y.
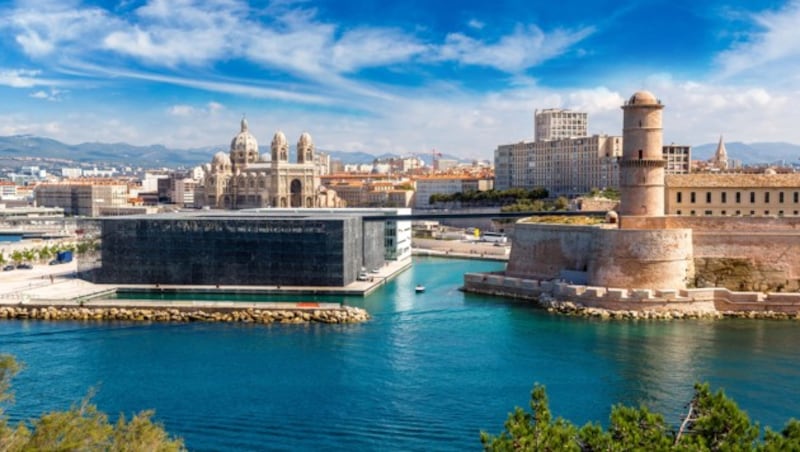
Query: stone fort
{"type": "Point", "coordinates": [642, 250]}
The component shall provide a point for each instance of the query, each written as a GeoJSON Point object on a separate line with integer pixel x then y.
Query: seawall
{"type": "Point", "coordinates": [262, 313]}
{"type": "Point", "coordinates": [614, 302]}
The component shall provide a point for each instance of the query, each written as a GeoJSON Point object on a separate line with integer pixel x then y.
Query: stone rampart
{"type": "Point", "coordinates": [542, 251]}
{"type": "Point", "coordinates": [686, 301]}
{"type": "Point", "coordinates": [607, 256]}
{"type": "Point", "coordinates": [641, 258]}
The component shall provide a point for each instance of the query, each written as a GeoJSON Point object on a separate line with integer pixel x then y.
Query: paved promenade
{"type": "Point", "coordinates": [461, 249]}
{"type": "Point", "coordinates": [56, 284]}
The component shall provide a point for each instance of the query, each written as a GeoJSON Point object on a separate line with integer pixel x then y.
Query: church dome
{"type": "Point", "coordinates": [279, 139]}
{"type": "Point", "coordinates": [244, 145]}
{"type": "Point", "coordinates": [305, 140]}
{"type": "Point", "coordinates": [221, 158]}
{"type": "Point", "coordinates": [643, 98]}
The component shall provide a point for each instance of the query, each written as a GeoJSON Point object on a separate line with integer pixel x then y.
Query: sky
{"type": "Point", "coordinates": [460, 77]}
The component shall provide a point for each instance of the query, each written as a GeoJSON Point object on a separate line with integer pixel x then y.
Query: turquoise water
{"type": "Point", "coordinates": [427, 373]}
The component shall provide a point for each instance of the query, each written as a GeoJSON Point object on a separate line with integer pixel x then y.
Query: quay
{"type": "Point", "coordinates": [53, 292]}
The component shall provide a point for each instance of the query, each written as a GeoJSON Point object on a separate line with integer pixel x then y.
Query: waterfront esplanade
{"type": "Point", "coordinates": [234, 248]}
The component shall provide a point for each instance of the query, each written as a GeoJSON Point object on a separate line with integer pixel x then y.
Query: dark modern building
{"type": "Point", "coordinates": [235, 248]}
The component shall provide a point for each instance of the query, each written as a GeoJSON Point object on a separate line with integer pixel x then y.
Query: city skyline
{"type": "Point", "coordinates": [459, 77]}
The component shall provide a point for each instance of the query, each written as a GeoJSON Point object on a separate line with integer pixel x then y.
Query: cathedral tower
{"type": "Point", "coordinates": [642, 165]}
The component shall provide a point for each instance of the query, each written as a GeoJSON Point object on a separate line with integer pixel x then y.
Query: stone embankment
{"type": "Point", "coordinates": [345, 314]}
{"type": "Point", "coordinates": [579, 310]}
{"type": "Point", "coordinates": [614, 303]}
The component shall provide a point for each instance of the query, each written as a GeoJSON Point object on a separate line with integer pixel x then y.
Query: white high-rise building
{"type": "Point", "coordinates": [557, 124]}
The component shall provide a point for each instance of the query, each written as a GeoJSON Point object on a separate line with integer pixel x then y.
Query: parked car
{"type": "Point", "coordinates": [8, 268]}
{"type": "Point", "coordinates": [25, 266]}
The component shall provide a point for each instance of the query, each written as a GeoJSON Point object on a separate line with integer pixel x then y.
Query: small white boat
{"type": "Point", "coordinates": [420, 288]}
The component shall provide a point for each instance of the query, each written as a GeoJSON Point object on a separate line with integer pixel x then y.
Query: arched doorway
{"type": "Point", "coordinates": [296, 189]}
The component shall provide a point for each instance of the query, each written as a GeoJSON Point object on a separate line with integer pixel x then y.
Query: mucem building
{"type": "Point", "coordinates": [234, 248]}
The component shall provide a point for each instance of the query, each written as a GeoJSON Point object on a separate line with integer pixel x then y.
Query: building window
{"type": "Point", "coordinates": [752, 212]}
{"type": "Point", "coordinates": [708, 213]}
{"type": "Point", "coordinates": [796, 196]}
{"type": "Point", "coordinates": [738, 197]}
{"type": "Point", "coordinates": [766, 212]}
{"type": "Point", "coordinates": [691, 213]}
{"type": "Point", "coordinates": [679, 198]}
{"type": "Point", "coordinates": [724, 197]}
{"type": "Point", "coordinates": [752, 197]}
{"type": "Point", "coordinates": [708, 197]}
{"type": "Point", "coordinates": [780, 213]}
{"type": "Point", "coordinates": [780, 197]}
{"type": "Point", "coordinates": [724, 212]}
{"type": "Point", "coordinates": [678, 212]}
{"type": "Point", "coordinates": [738, 212]}
{"type": "Point", "coordinates": [692, 198]}
{"type": "Point", "coordinates": [766, 197]}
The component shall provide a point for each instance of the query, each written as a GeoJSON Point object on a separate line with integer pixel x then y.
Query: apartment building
{"type": "Point", "coordinates": [557, 124]}
{"type": "Point", "coordinates": [569, 166]}
{"type": "Point", "coordinates": [82, 197]}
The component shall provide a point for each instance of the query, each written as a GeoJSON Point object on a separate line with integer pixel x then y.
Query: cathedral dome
{"type": "Point", "coordinates": [305, 140]}
{"type": "Point", "coordinates": [279, 139]}
{"type": "Point", "coordinates": [221, 158]}
{"type": "Point", "coordinates": [244, 146]}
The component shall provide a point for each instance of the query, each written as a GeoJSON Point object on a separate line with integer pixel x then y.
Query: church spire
{"type": "Point", "coordinates": [244, 123]}
{"type": "Point", "coordinates": [721, 155]}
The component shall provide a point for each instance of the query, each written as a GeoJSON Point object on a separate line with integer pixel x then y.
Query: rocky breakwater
{"type": "Point", "coordinates": [577, 309]}
{"type": "Point", "coordinates": [345, 314]}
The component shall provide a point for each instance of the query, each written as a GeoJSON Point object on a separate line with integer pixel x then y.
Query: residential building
{"type": "Point", "coordinates": [445, 185]}
{"type": "Point", "coordinates": [557, 124]}
{"type": "Point", "coordinates": [679, 159]}
{"type": "Point", "coordinates": [84, 197]}
{"type": "Point", "coordinates": [569, 166]}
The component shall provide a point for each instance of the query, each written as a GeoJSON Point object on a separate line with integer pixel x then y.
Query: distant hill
{"type": "Point", "coordinates": [750, 153]}
{"type": "Point", "coordinates": [147, 156]}
{"type": "Point", "coordinates": [122, 153]}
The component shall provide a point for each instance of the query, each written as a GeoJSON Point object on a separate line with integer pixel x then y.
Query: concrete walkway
{"type": "Point", "coordinates": [57, 284]}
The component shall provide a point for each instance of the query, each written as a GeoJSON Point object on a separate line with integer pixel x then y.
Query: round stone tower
{"type": "Point", "coordinates": [641, 172]}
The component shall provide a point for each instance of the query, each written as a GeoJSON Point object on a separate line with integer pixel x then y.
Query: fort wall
{"type": "Point", "coordinates": [709, 301]}
{"type": "Point", "coordinates": [607, 256]}
{"type": "Point", "coordinates": [641, 258]}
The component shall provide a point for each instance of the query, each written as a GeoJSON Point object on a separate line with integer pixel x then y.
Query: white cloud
{"type": "Point", "coordinates": [772, 46]}
{"type": "Point", "coordinates": [476, 24]}
{"type": "Point", "coordinates": [53, 95]}
{"type": "Point", "coordinates": [526, 47]}
{"type": "Point", "coordinates": [20, 78]}
{"type": "Point", "coordinates": [44, 27]}
{"type": "Point", "coordinates": [373, 47]}
{"type": "Point", "coordinates": [182, 110]}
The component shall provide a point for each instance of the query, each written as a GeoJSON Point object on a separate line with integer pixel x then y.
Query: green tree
{"type": "Point", "coordinates": [561, 203]}
{"type": "Point", "coordinates": [17, 257]}
{"type": "Point", "coordinates": [83, 427]}
{"type": "Point", "coordinates": [713, 423]}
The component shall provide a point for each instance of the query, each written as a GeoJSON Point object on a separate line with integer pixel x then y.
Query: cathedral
{"type": "Point", "coordinates": [243, 179]}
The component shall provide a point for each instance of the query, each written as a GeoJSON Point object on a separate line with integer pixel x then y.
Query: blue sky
{"type": "Point", "coordinates": [461, 77]}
